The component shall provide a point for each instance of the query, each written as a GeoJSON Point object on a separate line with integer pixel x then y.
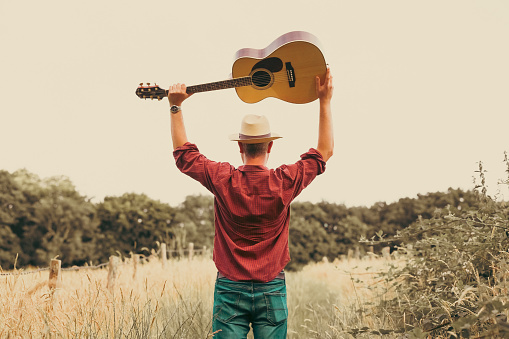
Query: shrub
{"type": "Point", "coordinates": [455, 280]}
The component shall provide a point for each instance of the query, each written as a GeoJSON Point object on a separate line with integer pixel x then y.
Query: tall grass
{"type": "Point", "coordinates": [326, 300]}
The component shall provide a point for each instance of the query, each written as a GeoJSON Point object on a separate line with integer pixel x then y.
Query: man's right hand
{"type": "Point", "coordinates": [177, 94]}
{"type": "Point", "coordinates": [324, 90]}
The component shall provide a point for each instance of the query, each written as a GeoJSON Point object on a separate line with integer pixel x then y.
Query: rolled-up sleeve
{"type": "Point", "coordinates": [316, 160]}
{"type": "Point", "coordinates": [299, 175]}
{"type": "Point", "coordinates": [191, 162]}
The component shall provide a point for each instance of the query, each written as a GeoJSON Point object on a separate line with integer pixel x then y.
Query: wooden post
{"type": "Point", "coordinates": [191, 251]}
{"type": "Point", "coordinates": [55, 282]}
{"type": "Point", "coordinates": [204, 251]}
{"type": "Point", "coordinates": [371, 252]}
{"type": "Point", "coordinates": [163, 254]}
{"type": "Point", "coordinates": [55, 275]}
{"type": "Point", "coordinates": [112, 272]}
{"type": "Point", "coordinates": [136, 259]}
{"type": "Point", "coordinates": [350, 254]}
{"type": "Point", "coordinates": [386, 253]}
{"type": "Point", "coordinates": [180, 248]}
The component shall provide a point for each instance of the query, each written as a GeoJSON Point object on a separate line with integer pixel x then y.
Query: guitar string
{"type": "Point", "coordinates": [301, 72]}
{"type": "Point", "coordinates": [278, 78]}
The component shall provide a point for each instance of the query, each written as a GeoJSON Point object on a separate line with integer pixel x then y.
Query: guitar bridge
{"type": "Point", "coordinates": [290, 73]}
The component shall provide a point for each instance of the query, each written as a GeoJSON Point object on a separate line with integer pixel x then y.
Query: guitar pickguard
{"type": "Point", "coordinates": [272, 64]}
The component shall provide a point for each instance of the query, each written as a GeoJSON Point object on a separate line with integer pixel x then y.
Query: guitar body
{"type": "Point", "coordinates": [286, 69]}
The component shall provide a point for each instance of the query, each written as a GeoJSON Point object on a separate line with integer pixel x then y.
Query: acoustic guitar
{"type": "Point", "coordinates": [286, 69]}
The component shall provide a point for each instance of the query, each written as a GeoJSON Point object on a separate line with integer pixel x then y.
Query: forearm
{"type": "Point", "coordinates": [178, 130]}
{"type": "Point", "coordinates": [325, 130]}
{"type": "Point", "coordinates": [176, 96]}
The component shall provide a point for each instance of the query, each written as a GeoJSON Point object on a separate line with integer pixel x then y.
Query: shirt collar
{"type": "Point", "coordinates": [253, 168]}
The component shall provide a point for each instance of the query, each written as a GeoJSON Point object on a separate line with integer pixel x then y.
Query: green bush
{"type": "Point", "coordinates": [455, 280]}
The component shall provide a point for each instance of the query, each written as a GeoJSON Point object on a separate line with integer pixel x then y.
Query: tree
{"type": "Point", "coordinates": [196, 216]}
{"type": "Point", "coordinates": [12, 205]}
{"type": "Point", "coordinates": [58, 221]}
{"type": "Point", "coordinates": [308, 239]}
{"type": "Point", "coordinates": [133, 222]}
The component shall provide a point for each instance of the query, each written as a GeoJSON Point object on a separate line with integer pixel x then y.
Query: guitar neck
{"type": "Point", "coordinates": [213, 86]}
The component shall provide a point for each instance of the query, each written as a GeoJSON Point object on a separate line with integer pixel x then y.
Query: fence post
{"type": "Point", "coordinates": [204, 251]}
{"type": "Point", "coordinates": [136, 260]}
{"type": "Point", "coordinates": [350, 254]}
{"type": "Point", "coordinates": [371, 252]}
{"type": "Point", "coordinates": [55, 275]}
{"type": "Point", "coordinates": [163, 254]}
{"type": "Point", "coordinates": [55, 281]}
{"type": "Point", "coordinates": [191, 250]}
{"type": "Point", "coordinates": [180, 248]}
{"type": "Point", "coordinates": [386, 253]}
{"type": "Point", "coordinates": [112, 272]}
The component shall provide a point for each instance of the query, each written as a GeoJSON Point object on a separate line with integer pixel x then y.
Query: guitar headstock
{"type": "Point", "coordinates": [151, 92]}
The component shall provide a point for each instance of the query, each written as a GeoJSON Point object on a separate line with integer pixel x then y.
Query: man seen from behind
{"type": "Point", "coordinates": [252, 216]}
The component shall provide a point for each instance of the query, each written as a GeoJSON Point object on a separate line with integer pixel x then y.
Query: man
{"type": "Point", "coordinates": [252, 215]}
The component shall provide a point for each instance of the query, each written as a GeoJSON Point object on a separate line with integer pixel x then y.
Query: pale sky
{"type": "Point", "coordinates": [421, 92]}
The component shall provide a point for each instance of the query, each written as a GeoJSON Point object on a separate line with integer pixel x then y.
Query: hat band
{"type": "Point", "coordinates": [248, 137]}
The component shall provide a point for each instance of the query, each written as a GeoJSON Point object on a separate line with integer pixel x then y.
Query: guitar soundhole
{"type": "Point", "coordinates": [261, 79]}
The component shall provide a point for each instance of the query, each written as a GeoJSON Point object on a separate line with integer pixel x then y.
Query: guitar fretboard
{"type": "Point", "coordinates": [212, 86]}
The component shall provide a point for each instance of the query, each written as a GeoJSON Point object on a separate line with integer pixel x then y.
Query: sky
{"type": "Point", "coordinates": [421, 92]}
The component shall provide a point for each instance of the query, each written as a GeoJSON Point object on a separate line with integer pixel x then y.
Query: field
{"type": "Point", "coordinates": [176, 302]}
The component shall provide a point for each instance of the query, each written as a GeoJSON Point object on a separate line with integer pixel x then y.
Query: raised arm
{"type": "Point", "coordinates": [325, 131]}
{"type": "Point", "coordinates": [176, 96]}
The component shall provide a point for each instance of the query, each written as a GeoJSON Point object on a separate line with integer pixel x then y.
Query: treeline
{"type": "Point", "coordinates": [44, 218]}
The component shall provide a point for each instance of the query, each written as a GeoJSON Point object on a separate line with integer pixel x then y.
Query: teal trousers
{"type": "Point", "coordinates": [239, 304]}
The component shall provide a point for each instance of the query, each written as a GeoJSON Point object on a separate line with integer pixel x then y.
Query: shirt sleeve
{"type": "Point", "coordinates": [191, 162]}
{"type": "Point", "coordinates": [298, 176]}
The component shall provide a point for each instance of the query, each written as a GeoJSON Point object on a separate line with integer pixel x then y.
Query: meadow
{"type": "Point", "coordinates": [325, 300]}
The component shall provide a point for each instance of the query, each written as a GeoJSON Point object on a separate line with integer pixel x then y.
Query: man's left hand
{"type": "Point", "coordinates": [177, 94]}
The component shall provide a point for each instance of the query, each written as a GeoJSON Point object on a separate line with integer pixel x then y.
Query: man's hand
{"type": "Point", "coordinates": [177, 94]}
{"type": "Point", "coordinates": [324, 90]}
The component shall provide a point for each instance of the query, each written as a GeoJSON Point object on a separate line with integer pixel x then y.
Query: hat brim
{"type": "Point", "coordinates": [235, 137]}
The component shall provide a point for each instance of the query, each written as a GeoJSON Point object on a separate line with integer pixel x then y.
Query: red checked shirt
{"type": "Point", "coordinates": [252, 210]}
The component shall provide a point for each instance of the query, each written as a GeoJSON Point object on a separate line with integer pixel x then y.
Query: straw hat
{"type": "Point", "coordinates": [254, 129]}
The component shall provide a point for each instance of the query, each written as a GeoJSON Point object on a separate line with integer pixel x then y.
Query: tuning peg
{"type": "Point", "coordinates": [148, 83]}
{"type": "Point", "coordinates": [141, 84]}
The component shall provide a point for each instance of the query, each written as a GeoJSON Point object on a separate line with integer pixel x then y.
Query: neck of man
{"type": "Point", "coordinates": [258, 161]}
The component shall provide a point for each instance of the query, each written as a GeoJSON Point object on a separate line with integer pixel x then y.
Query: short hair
{"type": "Point", "coordinates": [255, 150]}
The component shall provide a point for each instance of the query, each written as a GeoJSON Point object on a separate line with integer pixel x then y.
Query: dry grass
{"type": "Point", "coordinates": [176, 302]}
{"type": "Point", "coordinates": [328, 300]}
